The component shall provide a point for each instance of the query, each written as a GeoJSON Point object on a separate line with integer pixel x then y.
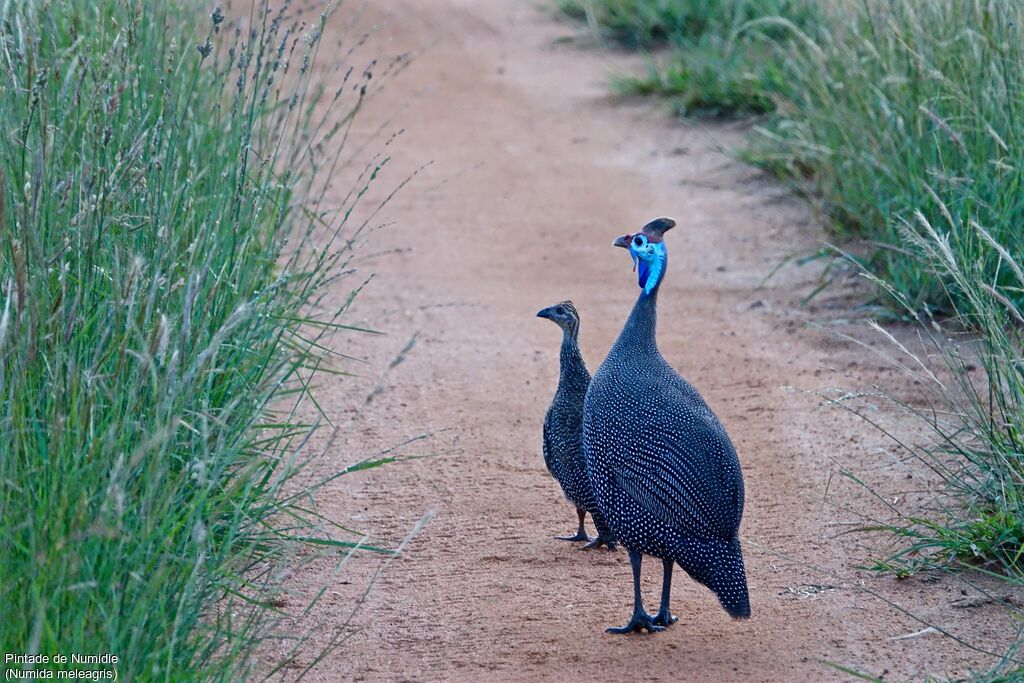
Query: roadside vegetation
{"type": "Point", "coordinates": [707, 61]}
{"type": "Point", "coordinates": [901, 121]}
{"type": "Point", "coordinates": [164, 254]}
{"type": "Point", "coordinates": [874, 109]}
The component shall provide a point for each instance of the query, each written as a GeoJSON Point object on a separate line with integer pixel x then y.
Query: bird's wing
{"type": "Point", "coordinates": [679, 482]}
{"type": "Point", "coordinates": [548, 445]}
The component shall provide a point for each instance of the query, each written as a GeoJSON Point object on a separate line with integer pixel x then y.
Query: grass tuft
{"type": "Point", "coordinates": [713, 58]}
{"type": "Point", "coordinates": [909, 107]}
{"type": "Point", "coordinates": [877, 109]}
{"type": "Point", "coordinates": [164, 254]}
{"type": "Point", "coordinates": [969, 401]}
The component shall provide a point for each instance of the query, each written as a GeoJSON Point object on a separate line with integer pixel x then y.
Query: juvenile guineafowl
{"type": "Point", "coordinates": [563, 428]}
{"type": "Point", "coordinates": [664, 471]}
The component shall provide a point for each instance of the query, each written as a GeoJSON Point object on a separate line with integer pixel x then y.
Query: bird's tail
{"type": "Point", "coordinates": [726, 577]}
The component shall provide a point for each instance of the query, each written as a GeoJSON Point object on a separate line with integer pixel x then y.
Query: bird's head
{"type": "Point", "coordinates": [564, 315]}
{"type": "Point", "coordinates": [648, 251]}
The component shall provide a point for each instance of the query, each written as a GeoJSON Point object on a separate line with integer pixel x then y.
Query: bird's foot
{"type": "Point", "coordinates": [599, 541]}
{"type": "Point", "coordinates": [580, 536]}
{"type": "Point", "coordinates": [665, 618]}
{"type": "Point", "coordinates": [641, 621]}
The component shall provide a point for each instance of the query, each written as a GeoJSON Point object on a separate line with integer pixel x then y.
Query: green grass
{"type": "Point", "coordinates": [968, 403]}
{"type": "Point", "coordinates": [962, 424]}
{"type": "Point", "coordinates": [681, 23]}
{"type": "Point", "coordinates": [906, 126]}
{"type": "Point", "coordinates": [641, 23]}
{"type": "Point", "coordinates": [708, 82]}
{"type": "Point", "coordinates": [163, 256]}
{"type": "Point", "coordinates": [877, 109]}
{"type": "Point", "coordinates": [709, 62]}
{"type": "Point", "coordinates": [914, 106]}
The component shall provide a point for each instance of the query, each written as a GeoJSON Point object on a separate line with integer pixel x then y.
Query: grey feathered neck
{"type": "Point", "coordinates": [638, 334]}
{"type": "Point", "coordinates": [574, 374]}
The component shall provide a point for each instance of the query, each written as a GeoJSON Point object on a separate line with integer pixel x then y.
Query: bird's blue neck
{"type": "Point", "coordinates": [651, 267]}
{"type": "Point", "coordinates": [574, 374]}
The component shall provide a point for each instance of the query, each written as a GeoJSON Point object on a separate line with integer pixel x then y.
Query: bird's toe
{"type": "Point", "coordinates": [665, 618]}
{"type": "Point", "coordinates": [639, 622]}
{"type": "Point", "coordinates": [598, 542]}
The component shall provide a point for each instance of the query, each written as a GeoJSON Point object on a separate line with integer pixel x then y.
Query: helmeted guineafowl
{"type": "Point", "coordinates": [563, 428]}
{"type": "Point", "coordinates": [665, 474]}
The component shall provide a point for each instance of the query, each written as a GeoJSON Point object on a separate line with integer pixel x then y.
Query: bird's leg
{"type": "Point", "coordinates": [581, 534]}
{"type": "Point", "coordinates": [605, 536]}
{"type": "Point", "coordinates": [664, 617]}
{"type": "Point", "coordinates": [641, 619]}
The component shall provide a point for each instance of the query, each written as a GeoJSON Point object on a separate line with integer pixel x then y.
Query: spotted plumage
{"type": "Point", "coordinates": [563, 428]}
{"type": "Point", "coordinates": [663, 469]}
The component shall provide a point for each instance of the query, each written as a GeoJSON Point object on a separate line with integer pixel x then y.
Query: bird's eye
{"type": "Point", "coordinates": [638, 241]}
{"type": "Point", "coordinates": [560, 311]}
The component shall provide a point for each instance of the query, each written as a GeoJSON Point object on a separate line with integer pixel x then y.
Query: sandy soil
{"type": "Point", "coordinates": [534, 171]}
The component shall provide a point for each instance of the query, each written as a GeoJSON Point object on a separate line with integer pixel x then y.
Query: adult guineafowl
{"type": "Point", "coordinates": [563, 428]}
{"type": "Point", "coordinates": [664, 471]}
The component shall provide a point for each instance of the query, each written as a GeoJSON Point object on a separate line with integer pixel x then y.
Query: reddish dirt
{"type": "Point", "coordinates": [534, 171]}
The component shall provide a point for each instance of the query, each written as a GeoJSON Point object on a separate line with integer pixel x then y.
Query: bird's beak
{"type": "Point", "coordinates": [544, 313]}
{"type": "Point", "coordinates": [622, 241]}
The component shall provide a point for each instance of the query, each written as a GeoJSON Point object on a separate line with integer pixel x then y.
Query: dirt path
{"type": "Point", "coordinates": [534, 172]}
